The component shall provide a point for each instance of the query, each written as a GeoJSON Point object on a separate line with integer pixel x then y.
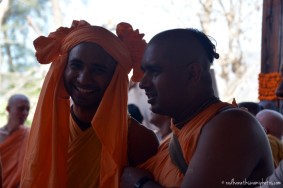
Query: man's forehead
{"type": "Point", "coordinates": [155, 57]}
{"type": "Point", "coordinates": [19, 101]}
{"type": "Point", "coordinates": [159, 54]}
{"type": "Point", "coordinates": [22, 103]}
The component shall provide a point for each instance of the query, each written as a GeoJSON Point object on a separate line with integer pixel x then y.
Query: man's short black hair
{"type": "Point", "coordinates": [182, 34]}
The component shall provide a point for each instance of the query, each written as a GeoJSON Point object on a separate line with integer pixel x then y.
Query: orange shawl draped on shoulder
{"type": "Point", "coordinates": [84, 157]}
{"type": "Point", "coordinates": [12, 152]}
{"type": "Point", "coordinates": [45, 163]}
{"type": "Point", "coordinates": [161, 166]}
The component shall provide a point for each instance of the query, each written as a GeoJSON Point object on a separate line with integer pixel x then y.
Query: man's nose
{"type": "Point", "coordinates": [145, 82]}
{"type": "Point", "coordinates": [84, 76]}
{"type": "Point", "coordinates": [26, 111]}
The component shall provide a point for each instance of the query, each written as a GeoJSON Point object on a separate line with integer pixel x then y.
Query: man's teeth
{"type": "Point", "coordinates": [85, 90]}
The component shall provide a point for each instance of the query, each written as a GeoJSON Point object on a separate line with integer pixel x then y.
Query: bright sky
{"type": "Point", "coordinates": [150, 16]}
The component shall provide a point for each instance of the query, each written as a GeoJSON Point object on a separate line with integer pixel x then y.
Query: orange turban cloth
{"type": "Point", "coordinates": [45, 163]}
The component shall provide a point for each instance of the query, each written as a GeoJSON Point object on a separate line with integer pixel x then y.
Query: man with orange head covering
{"type": "Point", "coordinates": [87, 144]}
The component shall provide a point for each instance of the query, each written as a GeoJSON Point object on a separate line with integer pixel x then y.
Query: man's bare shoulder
{"type": "Point", "coordinates": [134, 124]}
{"type": "Point", "coordinates": [236, 119]}
{"type": "Point", "coordinates": [142, 142]}
{"type": "Point", "coordinates": [228, 147]}
{"type": "Point", "coordinates": [3, 134]}
{"type": "Point", "coordinates": [235, 125]}
{"type": "Point", "coordinates": [136, 130]}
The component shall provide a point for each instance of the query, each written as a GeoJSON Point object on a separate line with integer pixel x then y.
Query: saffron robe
{"type": "Point", "coordinates": [161, 166]}
{"type": "Point", "coordinates": [12, 152]}
{"type": "Point", "coordinates": [84, 151]}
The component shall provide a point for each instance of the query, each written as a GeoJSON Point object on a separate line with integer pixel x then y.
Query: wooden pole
{"type": "Point", "coordinates": [271, 47]}
{"type": "Point", "coordinates": [271, 44]}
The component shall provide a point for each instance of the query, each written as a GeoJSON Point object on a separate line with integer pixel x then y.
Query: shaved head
{"type": "Point", "coordinates": [186, 44]}
{"type": "Point", "coordinates": [176, 65]}
{"type": "Point", "coordinates": [18, 109]}
{"type": "Point", "coordinates": [272, 121]}
{"type": "Point", "coordinates": [14, 98]}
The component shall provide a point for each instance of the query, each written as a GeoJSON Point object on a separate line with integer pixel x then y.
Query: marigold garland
{"type": "Point", "coordinates": [268, 84]}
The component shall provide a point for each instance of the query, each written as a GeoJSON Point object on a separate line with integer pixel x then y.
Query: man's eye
{"type": "Point", "coordinates": [99, 70]}
{"type": "Point", "coordinates": [155, 72]}
{"type": "Point", "coordinates": [152, 72]}
{"type": "Point", "coordinates": [75, 66]}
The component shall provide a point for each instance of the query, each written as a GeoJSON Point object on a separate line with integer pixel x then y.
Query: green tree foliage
{"type": "Point", "coordinates": [21, 21]}
{"type": "Point", "coordinates": [18, 25]}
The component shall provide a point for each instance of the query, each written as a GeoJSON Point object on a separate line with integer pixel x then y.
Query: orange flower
{"type": "Point", "coordinates": [268, 84]}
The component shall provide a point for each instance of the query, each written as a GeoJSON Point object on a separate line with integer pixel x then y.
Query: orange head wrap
{"type": "Point", "coordinates": [46, 157]}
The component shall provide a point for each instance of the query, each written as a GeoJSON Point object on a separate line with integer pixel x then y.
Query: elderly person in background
{"type": "Point", "coordinates": [272, 122]}
{"type": "Point", "coordinates": [13, 139]}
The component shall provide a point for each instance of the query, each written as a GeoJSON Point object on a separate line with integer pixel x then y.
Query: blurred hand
{"type": "Point", "coordinates": [131, 175]}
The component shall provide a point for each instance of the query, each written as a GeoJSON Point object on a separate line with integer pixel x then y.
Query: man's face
{"type": "Point", "coordinates": [163, 80]}
{"type": "Point", "coordinates": [88, 73]}
{"type": "Point", "coordinates": [18, 111]}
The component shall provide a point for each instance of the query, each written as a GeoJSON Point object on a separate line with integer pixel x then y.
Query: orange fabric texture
{"type": "Point", "coordinates": [161, 166]}
{"type": "Point", "coordinates": [268, 83]}
{"type": "Point", "coordinates": [276, 148]}
{"type": "Point", "coordinates": [12, 152]}
{"type": "Point", "coordinates": [46, 158]}
{"type": "Point", "coordinates": [84, 151]}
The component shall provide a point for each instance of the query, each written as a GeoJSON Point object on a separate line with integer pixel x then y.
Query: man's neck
{"type": "Point", "coordinates": [83, 114]}
{"type": "Point", "coordinates": [10, 128]}
{"type": "Point", "coordinates": [193, 110]}
{"type": "Point", "coordinates": [82, 117]}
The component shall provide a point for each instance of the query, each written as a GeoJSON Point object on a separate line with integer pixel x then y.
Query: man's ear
{"type": "Point", "coordinates": [267, 130]}
{"type": "Point", "coordinates": [193, 71]}
{"type": "Point", "coordinates": [8, 108]}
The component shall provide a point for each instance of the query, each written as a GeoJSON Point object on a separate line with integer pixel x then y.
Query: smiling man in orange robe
{"type": "Point", "coordinates": [86, 143]}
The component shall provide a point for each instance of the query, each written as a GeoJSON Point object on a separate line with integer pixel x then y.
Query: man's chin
{"type": "Point", "coordinates": [86, 104]}
{"type": "Point", "coordinates": [158, 110]}
{"type": "Point", "coordinates": [155, 109]}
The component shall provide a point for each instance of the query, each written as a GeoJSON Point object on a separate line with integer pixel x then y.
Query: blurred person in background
{"type": "Point", "coordinates": [252, 107]}
{"type": "Point", "coordinates": [135, 112]}
{"type": "Point", "coordinates": [13, 139]}
{"type": "Point", "coordinates": [272, 122]}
